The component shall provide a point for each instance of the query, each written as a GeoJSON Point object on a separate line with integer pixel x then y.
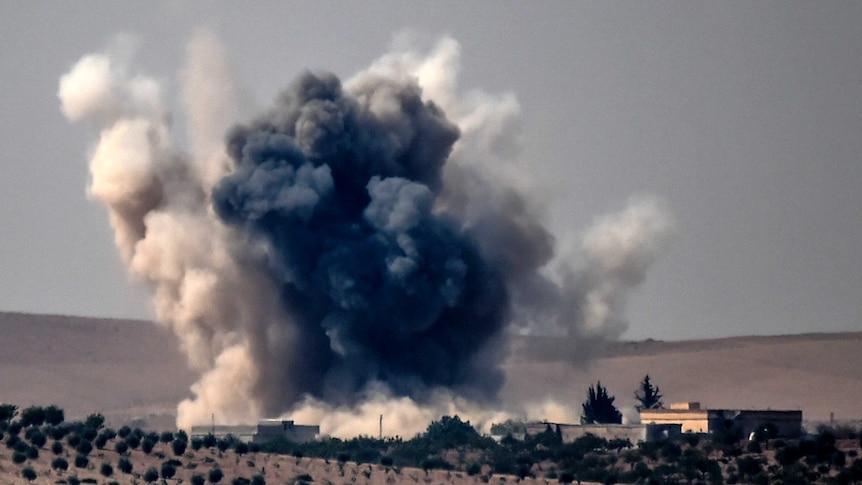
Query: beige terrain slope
{"type": "Point", "coordinates": [120, 368]}
{"type": "Point", "coordinates": [820, 374]}
{"type": "Point", "coordinates": [130, 369]}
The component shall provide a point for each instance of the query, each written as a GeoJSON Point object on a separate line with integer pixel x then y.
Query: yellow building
{"type": "Point", "coordinates": [692, 418]}
{"type": "Point", "coordinates": [696, 420]}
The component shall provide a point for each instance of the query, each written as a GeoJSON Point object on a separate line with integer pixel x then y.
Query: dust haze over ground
{"type": "Point", "coordinates": [130, 372]}
{"type": "Point", "coordinates": [363, 245]}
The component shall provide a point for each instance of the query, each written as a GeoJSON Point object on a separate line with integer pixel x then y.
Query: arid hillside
{"type": "Point", "coordinates": [821, 374]}
{"type": "Point", "coordinates": [122, 369]}
{"type": "Point", "coordinates": [133, 371]}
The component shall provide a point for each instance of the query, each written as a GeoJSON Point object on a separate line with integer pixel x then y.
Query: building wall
{"type": "Point", "coordinates": [787, 423]}
{"type": "Point", "coordinates": [242, 432]}
{"type": "Point", "coordinates": [659, 432]}
{"type": "Point", "coordinates": [632, 432]}
{"type": "Point", "coordinates": [692, 421]}
{"type": "Point", "coordinates": [272, 429]}
{"type": "Point", "coordinates": [262, 432]}
{"type": "Point", "coordinates": [685, 405]}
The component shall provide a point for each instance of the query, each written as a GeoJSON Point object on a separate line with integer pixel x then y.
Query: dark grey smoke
{"type": "Point", "coordinates": [342, 186]}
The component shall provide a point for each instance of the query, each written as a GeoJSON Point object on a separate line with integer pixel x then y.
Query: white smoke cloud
{"type": "Point", "coordinates": [207, 279]}
{"type": "Point", "coordinates": [210, 99]}
{"type": "Point", "coordinates": [619, 249]}
{"type": "Point", "coordinates": [404, 417]}
{"type": "Point", "coordinates": [490, 124]}
{"type": "Point", "coordinates": [100, 87]}
{"type": "Point", "coordinates": [203, 282]}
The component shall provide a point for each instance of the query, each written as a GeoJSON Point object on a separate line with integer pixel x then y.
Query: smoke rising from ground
{"type": "Point", "coordinates": [362, 245]}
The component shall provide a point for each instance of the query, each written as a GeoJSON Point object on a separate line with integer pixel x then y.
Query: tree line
{"type": "Point", "coordinates": [829, 456]}
{"type": "Point", "coordinates": [599, 406]}
{"type": "Point", "coordinates": [27, 434]}
{"type": "Point", "coordinates": [453, 444]}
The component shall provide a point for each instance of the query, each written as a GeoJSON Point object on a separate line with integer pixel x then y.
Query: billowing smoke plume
{"type": "Point", "coordinates": [361, 243]}
{"type": "Point", "coordinates": [341, 185]}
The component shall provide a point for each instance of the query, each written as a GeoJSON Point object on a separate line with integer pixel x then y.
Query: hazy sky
{"type": "Point", "coordinates": [745, 117]}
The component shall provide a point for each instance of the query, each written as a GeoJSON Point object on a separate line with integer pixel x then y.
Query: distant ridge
{"type": "Point", "coordinates": [132, 369]}
{"type": "Point", "coordinates": [79, 318]}
{"type": "Point", "coordinates": [652, 346]}
{"type": "Point", "coordinates": [125, 369]}
{"type": "Point", "coordinates": [819, 373]}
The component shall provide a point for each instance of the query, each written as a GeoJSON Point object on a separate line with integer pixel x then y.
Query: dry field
{"type": "Point", "coordinates": [121, 369]}
{"type": "Point", "coordinates": [821, 374]}
{"type": "Point", "coordinates": [132, 371]}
